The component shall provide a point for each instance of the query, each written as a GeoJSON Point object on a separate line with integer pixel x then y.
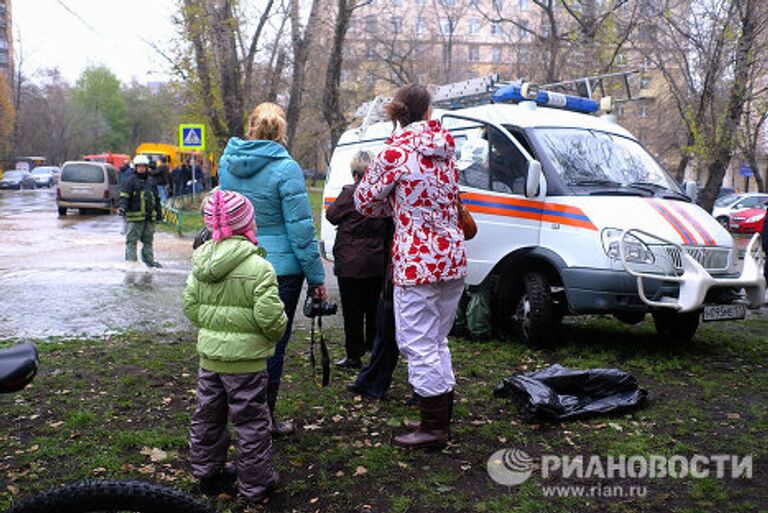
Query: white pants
{"type": "Point", "coordinates": [423, 317]}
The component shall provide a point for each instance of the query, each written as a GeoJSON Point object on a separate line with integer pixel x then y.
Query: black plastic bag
{"type": "Point", "coordinates": [557, 393]}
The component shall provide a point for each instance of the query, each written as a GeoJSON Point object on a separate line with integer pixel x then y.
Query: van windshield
{"type": "Point", "coordinates": [602, 161]}
{"type": "Point", "coordinates": [82, 173]}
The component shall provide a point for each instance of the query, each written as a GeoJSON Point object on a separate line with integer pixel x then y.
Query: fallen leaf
{"type": "Point", "coordinates": [56, 424]}
{"type": "Point", "coordinates": [34, 448]}
{"type": "Point", "coordinates": [12, 490]}
{"type": "Point", "coordinates": [147, 469]}
{"type": "Point", "coordinates": [615, 426]}
{"type": "Point", "coordinates": [360, 470]}
{"type": "Point", "coordinates": [99, 470]}
{"type": "Point", "coordinates": [314, 500]}
{"type": "Point", "coordinates": [734, 416]}
{"type": "Point", "coordinates": [340, 473]}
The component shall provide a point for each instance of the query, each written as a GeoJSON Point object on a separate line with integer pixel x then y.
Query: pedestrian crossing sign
{"type": "Point", "coordinates": [192, 137]}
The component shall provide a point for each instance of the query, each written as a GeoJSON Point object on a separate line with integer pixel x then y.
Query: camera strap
{"type": "Point", "coordinates": [325, 360]}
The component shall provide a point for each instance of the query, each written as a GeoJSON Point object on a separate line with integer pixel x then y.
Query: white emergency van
{"type": "Point", "coordinates": [574, 217]}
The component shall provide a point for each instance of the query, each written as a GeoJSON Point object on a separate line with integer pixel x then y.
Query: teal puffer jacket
{"type": "Point", "coordinates": [231, 295]}
{"type": "Point", "coordinates": [265, 173]}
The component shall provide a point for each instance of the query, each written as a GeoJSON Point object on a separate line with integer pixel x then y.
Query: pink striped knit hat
{"type": "Point", "coordinates": [228, 213]}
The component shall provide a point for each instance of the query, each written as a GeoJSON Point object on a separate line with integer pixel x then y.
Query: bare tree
{"type": "Point", "coordinates": [301, 38]}
{"type": "Point", "coordinates": [223, 64]}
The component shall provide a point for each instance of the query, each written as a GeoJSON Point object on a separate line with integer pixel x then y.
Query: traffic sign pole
{"type": "Point", "coordinates": [192, 137]}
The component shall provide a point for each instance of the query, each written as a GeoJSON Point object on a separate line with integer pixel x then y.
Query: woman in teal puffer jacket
{"type": "Point", "coordinates": [260, 168]}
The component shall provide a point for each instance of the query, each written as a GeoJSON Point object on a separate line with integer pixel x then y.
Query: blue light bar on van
{"type": "Point", "coordinates": [513, 93]}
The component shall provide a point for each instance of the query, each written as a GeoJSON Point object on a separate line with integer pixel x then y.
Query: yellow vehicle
{"type": "Point", "coordinates": [175, 157]}
{"type": "Point", "coordinates": [156, 150]}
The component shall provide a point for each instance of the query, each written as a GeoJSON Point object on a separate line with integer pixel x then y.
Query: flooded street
{"type": "Point", "coordinates": [66, 276]}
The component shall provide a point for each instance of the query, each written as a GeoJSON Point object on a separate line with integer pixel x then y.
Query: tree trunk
{"type": "Point", "coordinates": [331, 108]}
{"type": "Point", "coordinates": [301, 45]}
{"type": "Point", "coordinates": [737, 97]}
{"type": "Point", "coordinates": [275, 76]}
{"type": "Point", "coordinates": [230, 80]}
{"type": "Point", "coordinates": [194, 24]}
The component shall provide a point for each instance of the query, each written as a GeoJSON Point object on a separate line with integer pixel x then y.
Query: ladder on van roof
{"type": "Point", "coordinates": [479, 91]}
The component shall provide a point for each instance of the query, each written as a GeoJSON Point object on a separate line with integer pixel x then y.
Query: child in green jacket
{"type": "Point", "coordinates": [232, 296]}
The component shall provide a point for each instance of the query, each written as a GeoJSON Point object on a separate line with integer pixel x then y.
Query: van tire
{"type": "Point", "coordinates": [62, 211]}
{"type": "Point", "coordinates": [536, 317]}
{"type": "Point", "coordinates": [678, 327]}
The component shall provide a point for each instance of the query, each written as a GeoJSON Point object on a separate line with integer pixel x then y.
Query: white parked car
{"type": "Point", "coordinates": [727, 205]}
{"type": "Point", "coordinates": [574, 216]}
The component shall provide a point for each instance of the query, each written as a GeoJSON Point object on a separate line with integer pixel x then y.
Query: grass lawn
{"type": "Point", "coordinates": [100, 406]}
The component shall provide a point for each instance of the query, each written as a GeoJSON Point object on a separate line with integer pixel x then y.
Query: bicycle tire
{"type": "Point", "coordinates": [112, 495]}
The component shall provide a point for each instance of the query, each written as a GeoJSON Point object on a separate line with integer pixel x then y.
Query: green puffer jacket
{"type": "Point", "coordinates": [231, 295]}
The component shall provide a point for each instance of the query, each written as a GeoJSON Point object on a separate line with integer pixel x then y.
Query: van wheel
{"type": "Point", "coordinates": [630, 317]}
{"type": "Point", "coordinates": [62, 211]}
{"type": "Point", "coordinates": [536, 318]}
{"type": "Point", "coordinates": [679, 327]}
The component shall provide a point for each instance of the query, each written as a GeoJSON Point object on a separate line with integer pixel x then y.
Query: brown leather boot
{"type": "Point", "coordinates": [278, 428]}
{"type": "Point", "coordinates": [433, 429]}
{"type": "Point", "coordinates": [413, 425]}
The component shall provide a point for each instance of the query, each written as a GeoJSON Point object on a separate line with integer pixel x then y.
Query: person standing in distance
{"type": "Point", "coordinates": [260, 168]}
{"type": "Point", "coordinates": [140, 205]}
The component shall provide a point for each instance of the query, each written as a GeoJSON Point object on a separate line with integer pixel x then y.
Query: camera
{"type": "Point", "coordinates": [316, 307]}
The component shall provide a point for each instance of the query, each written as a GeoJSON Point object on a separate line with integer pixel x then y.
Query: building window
{"type": "Point", "coordinates": [448, 3]}
{"type": "Point", "coordinates": [496, 28]}
{"type": "Point", "coordinates": [523, 55]}
{"type": "Point", "coordinates": [496, 54]}
{"type": "Point", "coordinates": [474, 53]}
{"type": "Point", "coordinates": [447, 26]}
{"type": "Point", "coordinates": [498, 5]}
{"type": "Point", "coordinates": [644, 111]}
{"type": "Point", "coordinates": [647, 62]}
{"type": "Point", "coordinates": [545, 30]}
{"type": "Point", "coordinates": [474, 26]}
{"type": "Point", "coordinates": [618, 109]}
{"type": "Point", "coordinates": [370, 79]}
{"type": "Point", "coordinates": [621, 59]}
{"type": "Point", "coordinates": [397, 3]}
{"type": "Point", "coordinates": [474, 3]}
{"type": "Point", "coordinates": [645, 82]}
{"type": "Point", "coordinates": [421, 25]}
{"type": "Point", "coordinates": [421, 2]}
{"type": "Point", "coordinates": [370, 24]}
{"type": "Point", "coordinates": [522, 29]}
{"type": "Point", "coordinates": [396, 23]}
{"type": "Point", "coordinates": [522, 4]}
{"type": "Point", "coordinates": [370, 51]}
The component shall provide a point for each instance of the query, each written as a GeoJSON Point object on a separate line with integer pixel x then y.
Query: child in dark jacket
{"type": "Point", "coordinates": [232, 296]}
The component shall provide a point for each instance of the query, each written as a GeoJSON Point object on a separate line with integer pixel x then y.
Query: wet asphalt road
{"type": "Point", "coordinates": [66, 276]}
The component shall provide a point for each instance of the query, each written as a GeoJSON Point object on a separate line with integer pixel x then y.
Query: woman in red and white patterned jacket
{"type": "Point", "coordinates": [414, 180]}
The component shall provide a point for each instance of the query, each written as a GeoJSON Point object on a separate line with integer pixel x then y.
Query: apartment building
{"type": "Point", "coordinates": [6, 40]}
{"type": "Point", "coordinates": [441, 41]}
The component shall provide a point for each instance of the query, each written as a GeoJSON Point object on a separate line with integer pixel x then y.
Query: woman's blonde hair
{"type": "Point", "coordinates": [267, 122]}
{"type": "Point", "coordinates": [360, 162]}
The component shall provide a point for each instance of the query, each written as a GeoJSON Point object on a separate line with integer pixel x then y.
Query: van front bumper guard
{"type": "Point", "coordinates": [694, 281]}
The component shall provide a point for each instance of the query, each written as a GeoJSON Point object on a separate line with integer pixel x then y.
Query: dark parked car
{"type": "Point", "coordinates": [17, 179]}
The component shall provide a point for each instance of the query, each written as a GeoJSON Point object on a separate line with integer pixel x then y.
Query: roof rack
{"type": "Point", "coordinates": [480, 91]}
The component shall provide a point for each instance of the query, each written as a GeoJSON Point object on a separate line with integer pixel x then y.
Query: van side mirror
{"type": "Point", "coordinates": [691, 190]}
{"type": "Point", "coordinates": [534, 181]}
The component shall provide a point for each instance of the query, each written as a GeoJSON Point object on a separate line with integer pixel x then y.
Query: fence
{"type": "Point", "coordinates": [179, 210]}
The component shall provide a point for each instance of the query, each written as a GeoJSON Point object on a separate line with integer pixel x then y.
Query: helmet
{"type": "Point", "coordinates": [140, 160]}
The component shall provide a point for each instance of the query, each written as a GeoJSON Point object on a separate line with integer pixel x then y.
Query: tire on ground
{"type": "Point", "coordinates": [536, 317]}
{"type": "Point", "coordinates": [112, 495]}
{"type": "Point", "coordinates": [679, 327]}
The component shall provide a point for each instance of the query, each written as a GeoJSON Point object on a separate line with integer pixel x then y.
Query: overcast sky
{"type": "Point", "coordinates": [108, 33]}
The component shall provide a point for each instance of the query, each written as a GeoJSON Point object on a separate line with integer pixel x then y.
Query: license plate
{"type": "Point", "coordinates": [723, 312]}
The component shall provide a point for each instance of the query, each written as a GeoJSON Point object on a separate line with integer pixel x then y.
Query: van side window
{"type": "Point", "coordinates": [490, 161]}
{"type": "Point", "coordinates": [112, 174]}
{"type": "Point", "coordinates": [508, 167]}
